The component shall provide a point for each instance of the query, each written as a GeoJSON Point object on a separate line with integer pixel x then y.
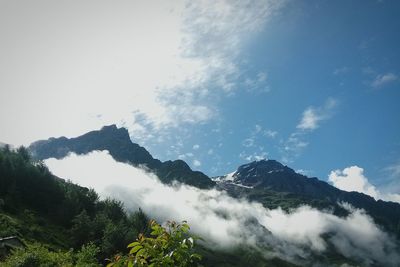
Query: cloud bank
{"type": "Point", "coordinates": [226, 222]}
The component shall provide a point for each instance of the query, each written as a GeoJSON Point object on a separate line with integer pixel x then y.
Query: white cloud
{"type": "Point", "coordinates": [254, 144]}
{"type": "Point", "coordinates": [257, 129]}
{"type": "Point", "coordinates": [248, 142]}
{"type": "Point", "coordinates": [261, 77]}
{"type": "Point", "coordinates": [196, 163]}
{"type": "Point", "coordinates": [185, 155]}
{"type": "Point", "coordinates": [253, 156]}
{"type": "Point", "coordinates": [341, 70]}
{"type": "Point", "coordinates": [270, 133]}
{"type": "Point", "coordinates": [293, 146]}
{"type": "Point", "coordinates": [313, 116]}
{"type": "Point", "coordinates": [353, 179]}
{"type": "Point", "coordinates": [225, 222]}
{"type": "Point", "coordinates": [310, 119]}
{"type": "Point", "coordinates": [258, 83]}
{"type": "Point", "coordinates": [149, 66]}
{"type": "Point", "coordinates": [196, 146]}
{"type": "Point", "coordinates": [254, 138]}
{"type": "Point", "coordinates": [384, 79]}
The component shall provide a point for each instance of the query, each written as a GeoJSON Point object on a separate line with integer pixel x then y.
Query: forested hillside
{"type": "Point", "coordinates": [64, 224]}
{"type": "Point", "coordinates": [41, 208]}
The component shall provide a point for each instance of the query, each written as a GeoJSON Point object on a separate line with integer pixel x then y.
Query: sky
{"type": "Point", "coordinates": [312, 84]}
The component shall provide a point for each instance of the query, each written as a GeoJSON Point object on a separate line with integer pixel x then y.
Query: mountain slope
{"type": "Point", "coordinates": [259, 180]}
{"type": "Point", "coordinates": [121, 148]}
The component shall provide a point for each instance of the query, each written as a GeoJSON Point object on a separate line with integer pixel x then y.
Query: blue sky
{"type": "Point", "coordinates": [313, 84]}
{"type": "Point", "coordinates": [312, 52]}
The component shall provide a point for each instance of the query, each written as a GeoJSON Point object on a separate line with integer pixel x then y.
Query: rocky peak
{"type": "Point", "coordinates": [261, 166]}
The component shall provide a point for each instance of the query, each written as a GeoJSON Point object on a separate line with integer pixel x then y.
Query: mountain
{"type": "Point", "coordinates": [64, 224]}
{"type": "Point", "coordinates": [265, 181]}
{"type": "Point", "coordinates": [269, 181]}
{"type": "Point", "coordinates": [122, 149]}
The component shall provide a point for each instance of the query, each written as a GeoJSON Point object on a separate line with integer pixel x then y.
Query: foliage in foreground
{"type": "Point", "coordinates": [38, 255]}
{"type": "Point", "coordinates": [168, 246]}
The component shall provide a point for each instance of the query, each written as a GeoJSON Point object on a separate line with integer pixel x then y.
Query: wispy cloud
{"type": "Point", "coordinates": [196, 163]}
{"type": "Point", "coordinates": [258, 83]}
{"type": "Point", "coordinates": [254, 144]}
{"type": "Point", "coordinates": [341, 70]}
{"type": "Point", "coordinates": [382, 80]}
{"type": "Point", "coordinates": [292, 147]}
{"type": "Point", "coordinates": [394, 169]}
{"type": "Point", "coordinates": [248, 142]}
{"type": "Point", "coordinates": [391, 184]}
{"type": "Point", "coordinates": [312, 116]}
{"type": "Point", "coordinates": [270, 133]}
{"type": "Point", "coordinates": [122, 71]}
{"type": "Point", "coordinates": [253, 156]}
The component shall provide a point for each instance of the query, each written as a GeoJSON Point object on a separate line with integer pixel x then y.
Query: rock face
{"type": "Point", "coordinates": [122, 149]}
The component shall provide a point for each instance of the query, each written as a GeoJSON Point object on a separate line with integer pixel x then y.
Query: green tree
{"type": "Point", "coordinates": [81, 229]}
{"type": "Point", "coordinates": [86, 257]}
{"type": "Point", "coordinates": [36, 255]}
{"type": "Point", "coordinates": [114, 238]}
{"type": "Point", "coordinates": [140, 223]}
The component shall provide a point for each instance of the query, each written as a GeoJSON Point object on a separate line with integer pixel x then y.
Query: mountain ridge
{"type": "Point", "coordinates": [118, 143]}
{"type": "Point", "coordinates": [257, 180]}
{"type": "Point", "coordinates": [272, 176]}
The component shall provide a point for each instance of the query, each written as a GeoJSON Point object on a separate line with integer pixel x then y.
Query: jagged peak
{"type": "Point", "coordinates": [109, 127]}
{"type": "Point", "coordinates": [112, 129]}
{"type": "Point", "coordinates": [263, 165]}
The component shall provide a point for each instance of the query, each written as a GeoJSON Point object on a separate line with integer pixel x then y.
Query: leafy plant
{"type": "Point", "coordinates": [168, 246]}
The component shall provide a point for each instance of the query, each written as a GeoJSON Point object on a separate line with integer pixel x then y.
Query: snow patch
{"type": "Point", "coordinates": [280, 170]}
{"type": "Point", "coordinates": [226, 178]}
{"type": "Point", "coordinates": [241, 185]}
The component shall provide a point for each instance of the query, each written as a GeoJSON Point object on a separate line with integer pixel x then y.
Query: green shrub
{"type": "Point", "coordinates": [86, 257]}
{"type": "Point", "coordinates": [167, 246]}
{"type": "Point", "coordinates": [37, 255]}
